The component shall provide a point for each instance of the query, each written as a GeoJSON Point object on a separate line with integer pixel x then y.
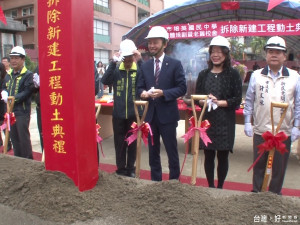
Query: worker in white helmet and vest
{"type": "Point", "coordinates": [19, 83]}
{"type": "Point", "coordinates": [122, 73]}
{"type": "Point", "coordinates": [223, 85]}
{"type": "Point", "coordinates": [273, 83]}
{"type": "Point", "coordinates": [162, 81]}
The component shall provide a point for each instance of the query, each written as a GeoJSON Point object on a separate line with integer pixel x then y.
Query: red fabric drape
{"type": "Point", "coordinates": [230, 5]}
{"type": "Point", "coordinates": [2, 17]}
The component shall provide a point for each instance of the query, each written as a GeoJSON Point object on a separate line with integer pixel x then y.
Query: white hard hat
{"type": "Point", "coordinates": [18, 51]}
{"type": "Point", "coordinates": [158, 32]}
{"type": "Point", "coordinates": [220, 41]}
{"type": "Point", "coordinates": [276, 43]}
{"type": "Point", "coordinates": [127, 47]}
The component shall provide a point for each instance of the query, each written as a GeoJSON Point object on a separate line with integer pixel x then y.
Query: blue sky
{"type": "Point", "coordinates": [169, 3]}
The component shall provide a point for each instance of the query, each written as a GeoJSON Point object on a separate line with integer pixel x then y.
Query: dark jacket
{"type": "Point", "coordinates": [97, 80]}
{"type": "Point", "coordinates": [124, 86]}
{"type": "Point", "coordinates": [20, 86]}
{"type": "Point", "coordinates": [171, 81]}
{"type": "Point", "coordinates": [222, 120]}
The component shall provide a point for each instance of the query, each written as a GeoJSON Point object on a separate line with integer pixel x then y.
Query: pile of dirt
{"type": "Point", "coordinates": [51, 196]}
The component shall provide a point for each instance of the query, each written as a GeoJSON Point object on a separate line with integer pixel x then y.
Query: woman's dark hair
{"type": "Point", "coordinates": [2, 71]}
{"type": "Point", "coordinates": [98, 63]}
{"type": "Point", "coordinates": [227, 61]}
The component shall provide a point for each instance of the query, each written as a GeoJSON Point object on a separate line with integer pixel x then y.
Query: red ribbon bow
{"type": "Point", "coordinates": [9, 119]}
{"type": "Point", "coordinates": [202, 131]}
{"type": "Point", "coordinates": [144, 127]}
{"type": "Point", "coordinates": [99, 139]}
{"type": "Point", "coordinates": [271, 141]}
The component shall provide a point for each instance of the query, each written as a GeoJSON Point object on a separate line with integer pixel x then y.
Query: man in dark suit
{"type": "Point", "coordinates": [161, 82]}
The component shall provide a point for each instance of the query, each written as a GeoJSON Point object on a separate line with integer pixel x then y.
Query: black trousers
{"type": "Point", "coordinates": [168, 134]}
{"type": "Point", "coordinates": [39, 123]}
{"type": "Point", "coordinates": [209, 166]}
{"type": "Point", "coordinates": [20, 137]}
{"type": "Point", "coordinates": [125, 155]}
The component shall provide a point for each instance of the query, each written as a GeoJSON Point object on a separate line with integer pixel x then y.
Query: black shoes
{"type": "Point", "coordinates": [126, 173]}
{"type": "Point", "coordinates": [121, 172]}
{"type": "Point", "coordinates": [131, 174]}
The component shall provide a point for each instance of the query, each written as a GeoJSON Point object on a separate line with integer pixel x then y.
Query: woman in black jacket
{"type": "Point", "coordinates": [223, 86]}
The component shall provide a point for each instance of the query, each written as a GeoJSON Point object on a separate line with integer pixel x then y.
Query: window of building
{"type": "Point", "coordinates": [144, 2]}
{"type": "Point", "coordinates": [29, 22]}
{"type": "Point", "coordinates": [11, 13]}
{"type": "Point", "coordinates": [101, 27]}
{"type": "Point", "coordinates": [27, 11]}
{"type": "Point", "coordinates": [104, 3]}
{"type": "Point", "coordinates": [102, 6]}
{"type": "Point", "coordinates": [101, 55]}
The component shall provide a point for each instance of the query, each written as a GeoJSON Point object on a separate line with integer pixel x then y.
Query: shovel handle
{"type": "Point", "coordinates": [10, 105]}
{"type": "Point", "coordinates": [279, 105]}
{"type": "Point", "coordinates": [140, 102]}
{"type": "Point", "coordinates": [196, 138]}
{"type": "Point", "coordinates": [98, 106]}
{"type": "Point", "coordinates": [271, 153]}
{"type": "Point", "coordinates": [139, 135]}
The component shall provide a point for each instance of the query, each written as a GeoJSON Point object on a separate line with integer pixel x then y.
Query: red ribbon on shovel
{"type": "Point", "coordinates": [202, 131]}
{"type": "Point", "coordinates": [144, 127]}
{"type": "Point", "coordinates": [9, 119]}
{"type": "Point", "coordinates": [99, 139]}
{"type": "Point", "coordinates": [271, 141]}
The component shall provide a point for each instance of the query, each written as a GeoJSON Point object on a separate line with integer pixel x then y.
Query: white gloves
{"type": "Point", "coordinates": [36, 80]}
{"type": "Point", "coordinates": [211, 104]}
{"type": "Point", "coordinates": [295, 134]}
{"type": "Point", "coordinates": [118, 59]}
{"type": "Point", "coordinates": [248, 129]}
{"type": "Point", "coordinates": [4, 95]}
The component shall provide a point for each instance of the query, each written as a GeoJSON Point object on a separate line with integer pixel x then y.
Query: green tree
{"type": "Point", "coordinates": [257, 45]}
{"type": "Point", "coordinates": [237, 49]}
{"type": "Point", "coordinates": [31, 65]}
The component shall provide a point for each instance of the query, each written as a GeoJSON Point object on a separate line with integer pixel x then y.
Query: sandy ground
{"type": "Point", "coordinates": [31, 195]}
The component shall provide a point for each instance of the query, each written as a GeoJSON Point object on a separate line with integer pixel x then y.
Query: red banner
{"type": "Point", "coordinates": [67, 89]}
{"type": "Point", "coordinates": [230, 5]}
{"type": "Point", "coordinates": [2, 17]}
{"type": "Point", "coordinates": [234, 28]}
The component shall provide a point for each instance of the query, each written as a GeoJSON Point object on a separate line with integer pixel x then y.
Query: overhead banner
{"type": "Point", "coordinates": [66, 56]}
{"type": "Point", "coordinates": [234, 29]}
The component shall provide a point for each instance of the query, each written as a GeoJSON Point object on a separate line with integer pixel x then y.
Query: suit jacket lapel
{"type": "Point", "coordinates": [164, 66]}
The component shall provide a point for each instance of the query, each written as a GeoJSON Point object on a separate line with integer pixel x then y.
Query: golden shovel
{"type": "Point", "coordinates": [271, 153]}
{"type": "Point", "coordinates": [196, 138]}
{"type": "Point", "coordinates": [139, 134]}
{"type": "Point", "coordinates": [10, 105]}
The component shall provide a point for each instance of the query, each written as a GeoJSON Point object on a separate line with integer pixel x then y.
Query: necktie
{"type": "Point", "coordinates": [157, 70]}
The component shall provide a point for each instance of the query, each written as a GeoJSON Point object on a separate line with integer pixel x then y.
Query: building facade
{"type": "Point", "coordinates": [112, 19]}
